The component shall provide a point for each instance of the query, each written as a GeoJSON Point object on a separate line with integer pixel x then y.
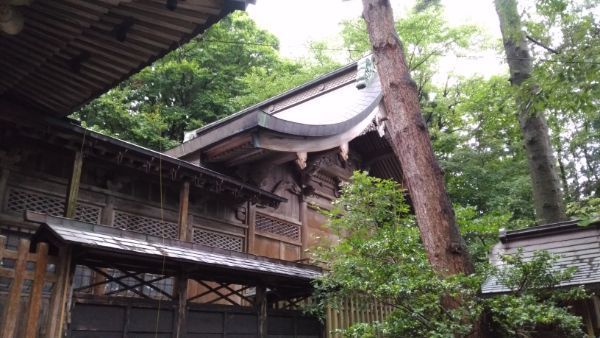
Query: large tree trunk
{"type": "Point", "coordinates": [547, 196]}
{"type": "Point", "coordinates": [423, 176]}
{"type": "Point", "coordinates": [410, 140]}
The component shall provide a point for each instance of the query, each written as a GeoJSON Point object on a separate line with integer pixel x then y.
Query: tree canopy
{"type": "Point", "coordinates": [234, 64]}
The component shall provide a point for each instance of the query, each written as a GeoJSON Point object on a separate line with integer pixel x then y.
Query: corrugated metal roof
{"type": "Point", "coordinates": [576, 246]}
{"type": "Point", "coordinates": [137, 244]}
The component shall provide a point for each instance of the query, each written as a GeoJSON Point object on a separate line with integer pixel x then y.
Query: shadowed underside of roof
{"type": "Point", "coordinates": [70, 51]}
{"type": "Point", "coordinates": [576, 246]}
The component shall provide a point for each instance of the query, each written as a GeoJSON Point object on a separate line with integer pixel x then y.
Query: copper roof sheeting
{"type": "Point", "coordinates": [71, 51]}
{"type": "Point", "coordinates": [132, 246]}
{"type": "Point", "coordinates": [575, 245]}
{"type": "Point", "coordinates": [248, 118]}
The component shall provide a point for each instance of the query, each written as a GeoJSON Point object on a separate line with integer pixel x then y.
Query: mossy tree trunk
{"type": "Point", "coordinates": [547, 195]}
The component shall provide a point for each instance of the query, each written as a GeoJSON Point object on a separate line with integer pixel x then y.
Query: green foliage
{"type": "Point", "coordinates": [234, 64]}
{"type": "Point", "coordinates": [477, 141]}
{"type": "Point", "coordinates": [568, 72]}
{"type": "Point", "coordinates": [379, 255]}
{"type": "Point", "coordinates": [534, 304]}
{"type": "Point", "coordinates": [586, 210]}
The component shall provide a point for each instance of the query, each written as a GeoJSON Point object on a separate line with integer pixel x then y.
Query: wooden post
{"type": "Point", "coordinates": [251, 227]}
{"type": "Point", "coordinates": [181, 287]}
{"type": "Point", "coordinates": [260, 304]}
{"type": "Point", "coordinates": [13, 302]}
{"type": "Point", "coordinates": [304, 227]}
{"type": "Point", "coordinates": [106, 219]}
{"type": "Point", "coordinates": [73, 188]}
{"type": "Point", "coordinates": [35, 299]}
{"type": "Point", "coordinates": [59, 301]}
{"type": "Point", "coordinates": [4, 172]}
{"type": "Point", "coordinates": [184, 205]}
{"type": "Point", "coordinates": [181, 282]}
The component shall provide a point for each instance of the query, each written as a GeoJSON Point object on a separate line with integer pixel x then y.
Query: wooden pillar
{"type": "Point", "coordinates": [184, 206]}
{"type": "Point", "coordinates": [304, 227]}
{"type": "Point", "coordinates": [59, 304]}
{"type": "Point", "coordinates": [260, 305]}
{"type": "Point", "coordinates": [13, 302]}
{"type": "Point", "coordinates": [181, 315]}
{"type": "Point", "coordinates": [35, 298]}
{"type": "Point", "coordinates": [73, 188]}
{"type": "Point", "coordinates": [251, 228]}
{"type": "Point", "coordinates": [4, 172]}
{"type": "Point", "coordinates": [105, 219]}
{"type": "Point", "coordinates": [181, 282]}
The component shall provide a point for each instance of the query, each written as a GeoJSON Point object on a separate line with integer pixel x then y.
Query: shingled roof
{"type": "Point", "coordinates": [97, 243]}
{"type": "Point", "coordinates": [576, 246]}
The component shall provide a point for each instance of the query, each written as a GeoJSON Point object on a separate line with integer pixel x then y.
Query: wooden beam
{"type": "Point", "coordinates": [11, 310]}
{"type": "Point", "coordinates": [35, 299]}
{"type": "Point", "coordinates": [260, 305]}
{"type": "Point", "coordinates": [73, 188]}
{"type": "Point", "coordinates": [184, 206]}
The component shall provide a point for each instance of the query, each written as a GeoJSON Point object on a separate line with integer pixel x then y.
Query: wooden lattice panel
{"type": "Point", "coordinates": [271, 225]}
{"type": "Point", "coordinates": [218, 240]}
{"type": "Point", "coordinates": [20, 200]}
{"type": "Point", "coordinates": [146, 225]}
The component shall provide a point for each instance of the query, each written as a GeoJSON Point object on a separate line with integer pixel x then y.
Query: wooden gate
{"type": "Point", "coordinates": [114, 318]}
{"type": "Point", "coordinates": [27, 280]}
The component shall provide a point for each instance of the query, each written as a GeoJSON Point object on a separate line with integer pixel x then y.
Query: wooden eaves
{"type": "Point", "coordinates": [102, 246]}
{"type": "Point", "coordinates": [69, 52]}
{"type": "Point", "coordinates": [68, 134]}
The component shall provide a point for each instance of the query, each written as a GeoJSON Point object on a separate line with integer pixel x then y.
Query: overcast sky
{"type": "Point", "coordinates": [296, 23]}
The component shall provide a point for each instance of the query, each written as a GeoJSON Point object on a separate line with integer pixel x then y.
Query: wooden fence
{"type": "Point", "coordinates": [26, 281]}
{"type": "Point", "coordinates": [354, 310]}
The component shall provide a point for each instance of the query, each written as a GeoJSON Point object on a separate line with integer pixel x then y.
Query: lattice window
{"type": "Point", "coordinates": [218, 240]}
{"type": "Point", "coordinates": [22, 200]}
{"type": "Point", "coordinates": [270, 225]}
{"type": "Point", "coordinates": [147, 225]}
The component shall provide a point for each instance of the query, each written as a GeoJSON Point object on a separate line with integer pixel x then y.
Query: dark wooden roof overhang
{"type": "Point", "coordinates": [106, 247]}
{"type": "Point", "coordinates": [68, 134]}
{"type": "Point", "coordinates": [69, 52]}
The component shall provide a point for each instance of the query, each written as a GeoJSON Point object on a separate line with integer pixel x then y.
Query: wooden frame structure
{"type": "Point", "coordinates": [251, 184]}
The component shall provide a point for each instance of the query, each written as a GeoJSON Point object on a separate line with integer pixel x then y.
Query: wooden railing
{"type": "Point", "coordinates": [23, 301]}
{"type": "Point", "coordinates": [354, 310]}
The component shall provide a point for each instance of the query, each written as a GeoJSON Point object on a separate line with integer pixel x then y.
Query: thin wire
{"type": "Point", "coordinates": [241, 43]}
{"type": "Point", "coordinates": [160, 185]}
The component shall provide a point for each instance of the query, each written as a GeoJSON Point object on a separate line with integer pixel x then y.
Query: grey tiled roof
{"type": "Point", "coordinates": [576, 246]}
{"type": "Point", "coordinates": [132, 243]}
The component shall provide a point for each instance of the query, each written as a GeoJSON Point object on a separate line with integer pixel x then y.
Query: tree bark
{"type": "Point", "coordinates": [445, 247]}
{"type": "Point", "coordinates": [547, 195]}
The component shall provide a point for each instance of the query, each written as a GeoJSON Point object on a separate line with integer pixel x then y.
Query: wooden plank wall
{"type": "Point", "coordinates": [25, 304]}
{"type": "Point", "coordinates": [353, 310]}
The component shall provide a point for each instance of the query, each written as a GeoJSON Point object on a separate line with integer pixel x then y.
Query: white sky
{"type": "Point", "coordinates": [297, 23]}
